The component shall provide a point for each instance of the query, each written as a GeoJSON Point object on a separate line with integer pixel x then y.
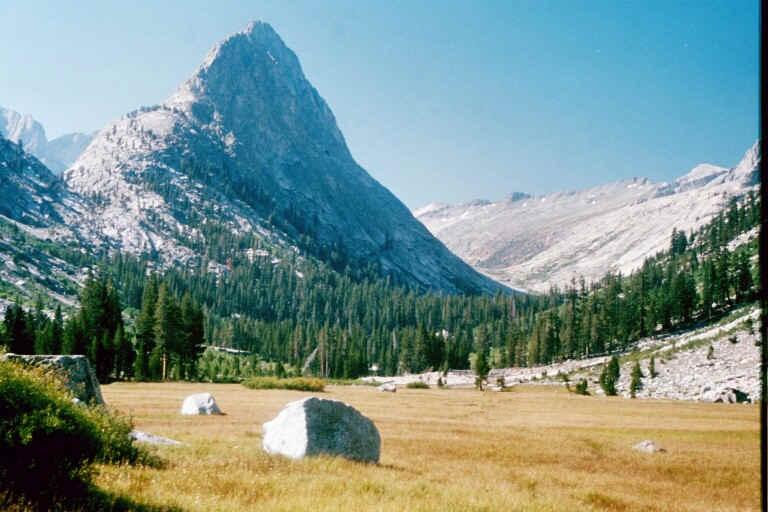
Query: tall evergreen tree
{"type": "Point", "coordinates": [18, 330]}
{"type": "Point", "coordinates": [145, 331]}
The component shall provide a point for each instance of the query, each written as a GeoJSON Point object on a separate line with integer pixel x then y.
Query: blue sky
{"type": "Point", "coordinates": [440, 101]}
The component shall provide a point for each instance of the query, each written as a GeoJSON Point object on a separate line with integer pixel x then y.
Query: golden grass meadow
{"type": "Point", "coordinates": [535, 448]}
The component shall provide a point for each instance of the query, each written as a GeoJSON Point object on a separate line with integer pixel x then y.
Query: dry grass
{"type": "Point", "coordinates": [535, 448]}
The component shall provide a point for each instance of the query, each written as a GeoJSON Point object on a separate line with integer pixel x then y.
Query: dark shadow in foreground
{"type": "Point", "coordinates": [79, 499]}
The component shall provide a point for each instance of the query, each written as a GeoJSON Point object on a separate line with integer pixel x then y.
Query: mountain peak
{"type": "Point", "coordinates": [249, 138]}
{"type": "Point", "coordinates": [57, 154]}
{"type": "Point", "coordinates": [250, 53]}
{"type": "Point", "coordinates": [750, 162]}
{"type": "Point", "coordinates": [259, 28]}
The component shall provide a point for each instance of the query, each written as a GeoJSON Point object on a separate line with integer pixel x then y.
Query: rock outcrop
{"type": "Point", "coordinates": [200, 404]}
{"type": "Point", "coordinates": [75, 371]}
{"type": "Point", "coordinates": [316, 426]}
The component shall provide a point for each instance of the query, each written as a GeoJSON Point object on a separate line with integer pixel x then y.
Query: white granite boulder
{"type": "Point", "coordinates": [200, 404]}
{"type": "Point", "coordinates": [316, 426]}
{"type": "Point", "coordinates": [75, 371]}
{"type": "Point", "coordinates": [648, 446]}
{"type": "Point", "coordinates": [388, 387]}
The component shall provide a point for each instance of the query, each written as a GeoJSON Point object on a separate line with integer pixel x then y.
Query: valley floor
{"type": "Point", "coordinates": [534, 448]}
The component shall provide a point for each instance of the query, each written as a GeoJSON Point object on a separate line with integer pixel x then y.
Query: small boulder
{"type": "Point", "coordinates": [200, 404]}
{"type": "Point", "coordinates": [724, 395]}
{"type": "Point", "coordinates": [146, 437]}
{"type": "Point", "coordinates": [389, 387]}
{"type": "Point", "coordinates": [316, 426]}
{"type": "Point", "coordinates": [648, 446]}
{"type": "Point", "coordinates": [75, 371]}
{"type": "Point", "coordinates": [731, 396]}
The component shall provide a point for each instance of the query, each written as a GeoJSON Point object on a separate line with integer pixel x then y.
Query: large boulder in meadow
{"type": "Point", "coordinates": [200, 404]}
{"type": "Point", "coordinates": [75, 371]}
{"type": "Point", "coordinates": [316, 426]}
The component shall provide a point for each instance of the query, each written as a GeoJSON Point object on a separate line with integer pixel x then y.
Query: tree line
{"type": "Point", "coordinates": [138, 320]}
{"type": "Point", "coordinates": [164, 344]}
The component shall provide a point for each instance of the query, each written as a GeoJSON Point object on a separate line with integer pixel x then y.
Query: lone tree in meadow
{"type": "Point", "coordinates": [636, 384]}
{"type": "Point", "coordinates": [610, 376]}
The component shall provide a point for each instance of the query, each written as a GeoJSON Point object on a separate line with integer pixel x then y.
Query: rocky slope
{"type": "Point", "coordinates": [686, 370]}
{"type": "Point", "coordinates": [535, 242]}
{"type": "Point", "coordinates": [249, 144]}
{"type": "Point", "coordinates": [57, 154]}
{"type": "Point", "coordinates": [36, 212]}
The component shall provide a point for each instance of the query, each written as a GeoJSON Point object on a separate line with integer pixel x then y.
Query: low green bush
{"type": "Point", "coordinates": [293, 383]}
{"type": "Point", "coordinates": [581, 387]}
{"type": "Point", "coordinates": [48, 443]}
{"type": "Point", "coordinates": [417, 385]}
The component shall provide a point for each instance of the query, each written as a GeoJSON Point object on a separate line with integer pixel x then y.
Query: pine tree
{"type": "Point", "coordinates": [74, 339]}
{"type": "Point", "coordinates": [481, 367]}
{"type": "Point", "coordinates": [192, 336]}
{"type": "Point", "coordinates": [124, 355]}
{"type": "Point", "coordinates": [636, 382]}
{"type": "Point", "coordinates": [145, 331]}
{"type": "Point", "coordinates": [18, 330]}
{"type": "Point", "coordinates": [44, 339]}
{"type": "Point", "coordinates": [744, 281]}
{"type": "Point", "coordinates": [652, 368]}
{"type": "Point", "coordinates": [166, 331]}
{"type": "Point", "coordinates": [57, 333]}
{"type": "Point", "coordinates": [610, 376]}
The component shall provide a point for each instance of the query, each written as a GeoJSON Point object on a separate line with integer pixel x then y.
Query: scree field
{"type": "Point", "coordinates": [534, 448]}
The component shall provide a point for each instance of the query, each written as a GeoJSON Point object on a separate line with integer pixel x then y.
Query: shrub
{"type": "Point", "coordinates": [48, 443]}
{"type": "Point", "coordinates": [581, 387]}
{"type": "Point", "coordinates": [417, 385]}
{"type": "Point", "coordinates": [652, 368]}
{"type": "Point", "coordinates": [351, 382]}
{"type": "Point", "coordinates": [733, 339]}
{"type": "Point", "coordinates": [294, 383]}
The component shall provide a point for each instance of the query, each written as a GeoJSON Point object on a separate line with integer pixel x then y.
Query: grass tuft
{"type": "Point", "coordinates": [293, 384]}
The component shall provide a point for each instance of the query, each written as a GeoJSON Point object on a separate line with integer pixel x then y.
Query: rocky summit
{"type": "Point", "coordinates": [533, 243]}
{"type": "Point", "coordinates": [57, 154]}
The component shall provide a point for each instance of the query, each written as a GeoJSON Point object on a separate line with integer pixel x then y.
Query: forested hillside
{"type": "Point", "coordinates": [280, 307]}
{"type": "Point", "coordinates": [700, 276]}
